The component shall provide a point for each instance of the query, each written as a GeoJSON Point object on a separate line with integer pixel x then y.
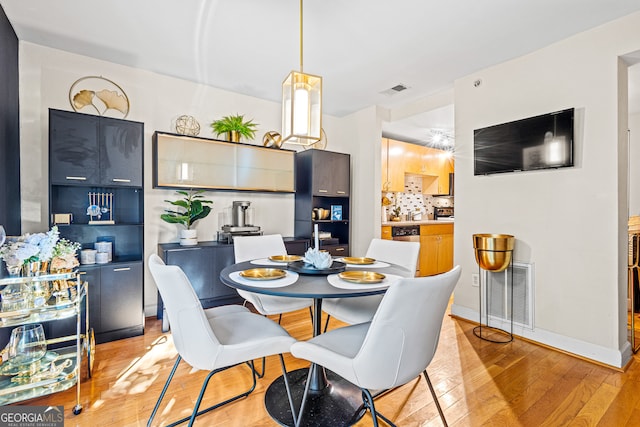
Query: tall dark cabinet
{"type": "Point", "coordinates": [9, 129]}
{"type": "Point", "coordinates": [93, 155]}
{"type": "Point", "coordinates": [323, 180]}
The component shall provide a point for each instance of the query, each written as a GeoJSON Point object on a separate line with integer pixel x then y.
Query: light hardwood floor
{"type": "Point", "coordinates": [479, 384]}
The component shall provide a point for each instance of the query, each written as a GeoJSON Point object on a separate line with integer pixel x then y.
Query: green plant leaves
{"type": "Point", "coordinates": [237, 123]}
{"type": "Point", "coordinates": [194, 208]}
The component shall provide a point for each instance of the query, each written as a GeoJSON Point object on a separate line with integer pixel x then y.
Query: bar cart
{"type": "Point", "coordinates": [65, 296]}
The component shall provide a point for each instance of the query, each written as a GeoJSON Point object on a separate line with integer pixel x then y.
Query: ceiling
{"type": "Point", "coordinates": [361, 48]}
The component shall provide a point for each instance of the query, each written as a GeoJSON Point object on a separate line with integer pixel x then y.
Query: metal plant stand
{"type": "Point", "coordinates": [494, 253]}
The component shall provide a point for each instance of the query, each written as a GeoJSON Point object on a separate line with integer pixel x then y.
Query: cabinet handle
{"type": "Point", "coordinates": [339, 249]}
{"type": "Point", "coordinates": [82, 272]}
{"type": "Point", "coordinates": [76, 178]}
{"type": "Point", "coordinates": [341, 192]}
{"type": "Point", "coordinates": [120, 180]}
{"type": "Point", "coordinates": [122, 269]}
{"type": "Point", "coordinates": [323, 191]}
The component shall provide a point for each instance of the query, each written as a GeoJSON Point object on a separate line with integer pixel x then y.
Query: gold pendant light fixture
{"type": "Point", "coordinates": [301, 105]}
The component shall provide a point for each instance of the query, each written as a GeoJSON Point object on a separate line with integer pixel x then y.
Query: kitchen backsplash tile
{"type": "Point", "coordinates": [413, 200]}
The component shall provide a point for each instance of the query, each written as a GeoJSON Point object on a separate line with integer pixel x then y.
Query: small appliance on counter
{"type": "Point", "coordinates": [240, 224]}
{"type": "Point", "coordinates": [443, 213]}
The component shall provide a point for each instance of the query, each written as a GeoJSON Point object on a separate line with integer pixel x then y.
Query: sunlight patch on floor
{"type": "Point", "coordinates": [142, 371]}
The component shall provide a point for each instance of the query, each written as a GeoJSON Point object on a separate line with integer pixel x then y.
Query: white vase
{"type": "Point", "coordinates": [188, 237]}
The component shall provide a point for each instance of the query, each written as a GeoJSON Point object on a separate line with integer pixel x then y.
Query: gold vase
{"type": "Point", "coordinates": [233, 136]}
{"type": "Point", "coordinates": [493, 251]}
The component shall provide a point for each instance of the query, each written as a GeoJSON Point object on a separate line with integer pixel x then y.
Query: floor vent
{"type": "Point", "coordinates": [499, 296]}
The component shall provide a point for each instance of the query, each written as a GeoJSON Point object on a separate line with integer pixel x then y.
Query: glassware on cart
{"type": "Point", "coordinates": [27, 344]}
{"type": "Point", "coordinates": [15, 298]}
{"type": "Point", "coordinates": [3, 235]}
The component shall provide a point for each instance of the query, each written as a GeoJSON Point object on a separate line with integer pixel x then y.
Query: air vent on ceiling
{"type": "Point", "coordinates": [395, 89]}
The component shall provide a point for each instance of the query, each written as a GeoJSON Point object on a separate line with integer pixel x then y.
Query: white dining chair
{"type": "Point", "coordinates": [248, 248]}
{"type": "Point", "coordinates": [215, 340]}
{"type": "Point", "coordinates": [361, 309]}
{"type": "Point", "coordinates": [391, 350]}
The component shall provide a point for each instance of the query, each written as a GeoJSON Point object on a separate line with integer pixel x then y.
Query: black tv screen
{"type": "Point", "coordinates": [540, 142]}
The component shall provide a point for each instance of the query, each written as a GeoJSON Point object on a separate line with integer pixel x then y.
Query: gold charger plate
{"type": "Point", "coordinates": [263, 274]}
{"type": "Point", "coordinates": [364, 277]}
{"type": "Point", "coordinates": [285, 258]}
{"type": "Point", "coordinates": [358, 260]}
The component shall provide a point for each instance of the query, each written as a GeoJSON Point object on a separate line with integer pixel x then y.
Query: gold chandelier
{"type": "Point", "coordinates": [301, 105]}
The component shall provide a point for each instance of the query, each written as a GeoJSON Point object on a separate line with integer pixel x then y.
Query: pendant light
{"type": "Point", "coordinates": [301, 105]}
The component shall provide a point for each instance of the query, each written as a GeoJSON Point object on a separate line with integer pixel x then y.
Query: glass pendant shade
{"type": "Point", "coordinates": [301, 108]}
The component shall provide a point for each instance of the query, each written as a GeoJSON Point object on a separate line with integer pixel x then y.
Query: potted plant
{"type": "Point", "coordinates": [194, 208]}
{"type": "Point", "coordinates": [234, 127]}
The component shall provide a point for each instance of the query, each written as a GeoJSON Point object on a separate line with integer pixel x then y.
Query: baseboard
{"type": "Point", "coordinates": [616, 359]}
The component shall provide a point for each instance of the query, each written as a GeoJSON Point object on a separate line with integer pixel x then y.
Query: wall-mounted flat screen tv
{"type": "Point", "coordinates": [541, 142]}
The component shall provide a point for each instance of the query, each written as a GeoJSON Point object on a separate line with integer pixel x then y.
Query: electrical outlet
{"type": "Point", "coordinates": [475, 280]}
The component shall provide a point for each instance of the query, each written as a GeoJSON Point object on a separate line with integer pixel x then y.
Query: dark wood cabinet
{"type": "Point", "coordinates": [93, 150]}
{"type": "Point", "coordinates": [203, 263]}
{"type": "Point", "coordinates": [121, 300]}
{"type": "Point", "coordinates": [121, 152]}
{"type": "Point", "coordinates": [92, 277]}
{"type": "Point", "coordinates": [10, 211]}
{"type": "Point", "coordinates": [322, 181]}
{"type": "Point", "coordinates": [330, 173]}
{"type": "Point", "coordinates": [73, 148]}
{"type": "Point", "coordinates": [114, 317]}
{"type": "Point", "coordinates": [104, 156]}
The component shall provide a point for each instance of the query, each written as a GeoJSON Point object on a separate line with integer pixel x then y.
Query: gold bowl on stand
{"type": "Point", "coordinates": [493, 251]}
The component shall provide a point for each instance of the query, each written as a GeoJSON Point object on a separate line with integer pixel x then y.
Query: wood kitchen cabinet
{"type": "Point", "coordinates": [386, 232]}
{"type": "Point", "coordinates": [436, 249]}
{"type": "Point", "coordinates": [93, 154]}
{"type": "Point", "coordinates": [393, 165]}
{"type": "Point", "coordinates": [431, 164]}
{"type": "Point", "coordinates": [323, 179]}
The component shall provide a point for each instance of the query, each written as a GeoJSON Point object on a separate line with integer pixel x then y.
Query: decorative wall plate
{"type": "Point", "coordinates": [321, 144]}
{"type": "Point", "coordinates": [99, 94]}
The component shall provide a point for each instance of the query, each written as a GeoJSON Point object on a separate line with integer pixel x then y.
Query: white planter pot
{"type": "Point", "coordinates": [188, 237]}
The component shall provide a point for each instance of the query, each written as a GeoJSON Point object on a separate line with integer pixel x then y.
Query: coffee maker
{"type": "Point", "coordinates": [240, 223]}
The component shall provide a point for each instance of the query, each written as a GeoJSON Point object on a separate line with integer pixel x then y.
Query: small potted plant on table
{"type": "Point", "coordinates": [234, 127]}
{"type": "Point", "coordinates": [194, 208]}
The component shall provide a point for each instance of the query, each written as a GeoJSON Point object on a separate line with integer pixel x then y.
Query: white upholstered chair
{"type": "Point", "coordinates": [215, 340]}
{"type": "Point", "coordinates": [247, 248]}
{"type": "Point", "coordinates": [395, 347]}
{"type": "Point", "coordinates": [362, 309]}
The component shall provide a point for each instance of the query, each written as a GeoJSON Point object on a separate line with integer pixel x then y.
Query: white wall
{"type": "Point", "coordinates": [156, 100]}
{"type": "Point", "coordinates": [570, 223]}
{"type": "Point", "coordinates": [634, 164]}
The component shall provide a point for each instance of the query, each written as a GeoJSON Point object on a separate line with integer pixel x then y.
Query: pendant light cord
{"type": "Point", "coordinates": [301, 36]}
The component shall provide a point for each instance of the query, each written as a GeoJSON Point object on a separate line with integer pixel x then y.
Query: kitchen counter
{"type": "Point", "coordinates": [421, 222]}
